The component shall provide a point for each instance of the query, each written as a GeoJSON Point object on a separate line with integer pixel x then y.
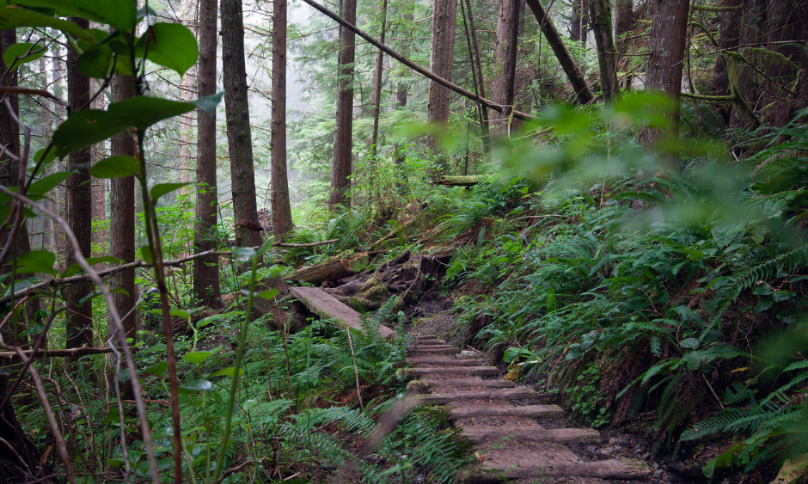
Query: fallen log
{"type": "Point", "coordinates": [459, 180]}
{"type": "Point", "coordinates": [13, 355]}
{"type": "Point", "coordinates": [332, 270]}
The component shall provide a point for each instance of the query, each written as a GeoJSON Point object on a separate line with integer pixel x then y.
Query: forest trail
{"type": "Point", "coordinates": [515, 437]}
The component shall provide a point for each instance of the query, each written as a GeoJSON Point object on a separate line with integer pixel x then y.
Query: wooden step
{"type": "Point", "coordinates": [452, 370]}
{"type": "Point", "coordinates": [500, 394]}
{"type": "Point", "coordinates": [424, 361]}
{"type": "Point", "coordinates": [433, 350]}
{"type": "Point", "coordinates": [468, 382]}
{"type": "Point", "coordinates": [561, 436]}
{"type": "Point", "coordinates": [533, 411]}
{"type": "Point", "coordinates": [328, 307]}
{"type": "Point", "coordinates": [622, 468]}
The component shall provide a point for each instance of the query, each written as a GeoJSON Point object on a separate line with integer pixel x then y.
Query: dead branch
{"type": "Point", "coordinates": [57, 281]}
{"type": "Point", "coordinates": [83, 351]}
{"type": "Point", "coordinates": [310, 244]}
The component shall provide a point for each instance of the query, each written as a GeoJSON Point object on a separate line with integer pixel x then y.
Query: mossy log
{"type": "Point", "coordinates": [332, 270]}
{"type": "Point", "coordinates": [459, 180]}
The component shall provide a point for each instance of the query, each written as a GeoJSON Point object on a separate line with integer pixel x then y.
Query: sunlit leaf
{"type": "Point", "coordinates": [170, 45]}
{"type": "Point", "coordinates": [193, 386]}
{"type": "Point", "coordinates": [161, 189]}
{"type": "Point", "coordinates": [116, 167]}
{"type": "Point", "coordinates": [198, 357]}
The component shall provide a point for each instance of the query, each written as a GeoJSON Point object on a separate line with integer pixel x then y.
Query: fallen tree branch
{"type": "Point", "coordinates": [310, 244]}
{"type": "Point", "coordinates": [57, 281]}
{"type": "Point", "coordinates": [83, 351]}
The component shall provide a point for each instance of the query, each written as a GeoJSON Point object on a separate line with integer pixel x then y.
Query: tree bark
{"type": "Point", "coordinates": [502, 89]}
{"type": "Point", "coordinates": [664, 73]}
{"type": "Point", "coordinates": [728, 39]}
{"type": "Point", "coordinates": [79, 322]}
{"type": "Point", "coordinates": [785, 21]}
{"type": "Point", "coordinates": [376, 90]}
{"type": "Point", "coordinates": [579, 22]}
{"type": "Point", "coordinates": [474, 51]}
{"type": "Point", "coordinates": [99, 190]}
{"type": "Point", "coordinates": [237, 109]}
{"type": "Point", "coordinates": [281, 207]}
{"type": "Point", "coordinates": [443, 36]}
{"type": "Point", "coordinates": [343, 131]}
{"type": "Point", "coordinates": [571, 69]}
{"type": "Point", "coordinates": [122, 221]}
{"type": "Point", "coordinates": [601, 15]}
{"type": "Point", "coordinates": [206, 269]}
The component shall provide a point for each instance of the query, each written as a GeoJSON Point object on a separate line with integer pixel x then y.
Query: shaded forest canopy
{"type": "Point", "coordinates": [606, 197]}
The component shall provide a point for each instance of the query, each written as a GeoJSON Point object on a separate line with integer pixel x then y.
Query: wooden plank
{"type": "Point", "coordinates": [454, 370]}
{"type": "Point", "coordinates": [469, 382]}
{"type": "Point", "coordinates": [426, 350]}
{"type": "Point", "coordinates": [532, 411]}
{"type": "Point", "coordinates": [327, 306]}
{"type": "Point", "coordinates": [423, 361]}
{"type": "Point", "coordinates": [622, 468]}
{"type": "Point", "coordinates": [561, 436]}
{"type": "Point", "coordinates": [501, 394]}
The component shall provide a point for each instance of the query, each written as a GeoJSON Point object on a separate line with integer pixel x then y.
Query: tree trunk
{"type": "Point", "coordinates": [786, 31]}
{"type": "Point", "coordinates": [574, 74]}
{"type": "Point", "coordinates": [579, 22]}
{"type": "Point", "coordinates": [239, 137]}
{"type": "Point", "coordinates": [122, 219]}
{"type": "Point", "coordinates": [206, 269]}
{"type": "Point", "coordinates": [474, 51]}
{"type": "Point", "coordinates": [376, 91]}
{"type": "Point", "coordinates": [664, 73]}
{"type": "Point", "coordinates": [729, 38]}
{"type": "Point", "coordinates": [502, 89]}
{"type": "Point", "coordinates": [188, 16]}
{"type": "Point", "coordinates": [79, 323]}
{"type": "Point", "coordinates": [99, 190]}
{"type": "Point", "coordinates": [443, 37]}
{"type": "Point", "coordinates": [343, 131]}
{"type": "Point", "coordinates": [281, 207]}
{"type": "Point", "coordinates": [601, 15]}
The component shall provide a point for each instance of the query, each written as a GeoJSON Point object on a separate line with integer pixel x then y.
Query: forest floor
{"type": "Point", "coordinates": [612, 453]}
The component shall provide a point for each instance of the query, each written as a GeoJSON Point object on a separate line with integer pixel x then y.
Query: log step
{"type": "Point", "coordinates": [436, 350]}
{"type": "Point", "coordinates": [561, 436]}
{"type": "Point", "coordinates": [503, 394]}
{"type": "Point", "coordinates": [623, 468]}
{"type": "Point", "coordinates": [424, 361]}
{"type": "Point", "coordinates": [327, 306]}
{"type": "Point", "coordinates": [452, 370]}
{"type": "Point", "coordinates": [531, 411]}
{"type": "Point", "coordinates": [469, 382]}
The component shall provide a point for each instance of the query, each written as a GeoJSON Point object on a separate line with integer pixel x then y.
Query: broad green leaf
{"type": "Point", "coordinates": [229, 371]}
{"type": "Point", "coordinates": [12, 16]}
{"type": "Point", "coordinates": [209, 103]}
{"type": "Point", "coordinates": [689, 343]}
{"type": "Point", "coordinates": [179, 313]}
{"type": "Point", "coordinates": [116, 167]}
{"type": "Point", "coordinates": [161, 189]}
{"type": "Point", "coordinates": [196, 386]}
{"type": "Point", "coordinates": [44, 157]}
{"type": "Point", "coordinates": [37, 261]}
{"type": "Point", "coordinates": [25, 51]}
{"type": "Point", "coordinates": [20, 285]}
{"type": "Point", "coordinates": [157, 369]}
{"type": "Point", "coordinates": [120, 290]}
{"type": "Point", "coordinates": [210, 319]}
{"type": "Point", "coordinates": [145, 252]}
{"type": "Point", "coordinates": [92, 126]}
{"type": "Point", "coordinates": [106, 259]}
{"type": "Point", "coordinates": [121, 14]}
{"type": "Point", "coordinates": [197, 357]}
{"type": "Point", "coordinates": [169, 45]}
{"type": "Point", "coordinates": [44, 185]}
{"type": "Point", "coordinates": [268, 294]}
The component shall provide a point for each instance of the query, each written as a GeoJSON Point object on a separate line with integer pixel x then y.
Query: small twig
{"type": "Point", "coordinates": [356, 371]}
{"type": "Point", "coordinates": [36, 92]}
{"type": "Point", "coordinates": [83, 351]}
{"type": "Point", "coordinates": [235, 469]}
{"type": "Point", "coordinates": [310, 244]}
